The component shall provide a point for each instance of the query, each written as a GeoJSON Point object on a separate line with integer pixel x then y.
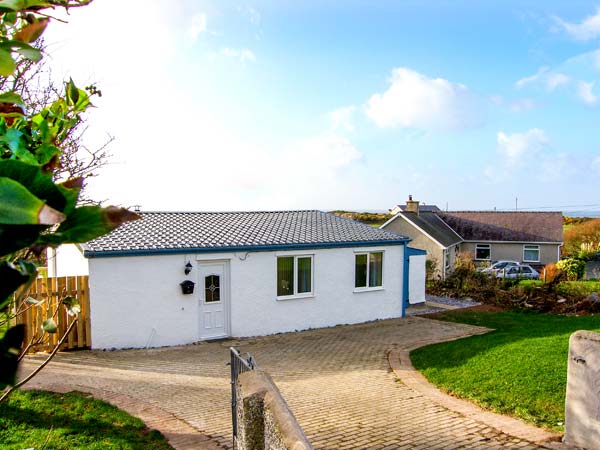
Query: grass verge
{"type": "Point", "coordinates": [520, 369]}
{"type": "Point", "coordinates": [38, 419]}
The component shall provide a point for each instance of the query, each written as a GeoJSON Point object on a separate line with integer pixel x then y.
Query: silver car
{"type": "Point", "coordinates": [499, 265]}
{"type": "Point", "coordinates": [520, 271]}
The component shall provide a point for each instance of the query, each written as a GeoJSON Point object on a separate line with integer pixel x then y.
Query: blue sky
{"type": "Point", "coordinates": [223, 105]}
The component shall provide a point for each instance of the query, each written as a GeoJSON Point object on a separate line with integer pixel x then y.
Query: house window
{"type": "Point", "coordinates": [294, 275]}
{"type": "Point", "coordinates": [483, 252]}
{"type": "Point", "coordinates": [531, 253]}
{"type": "Point", "coordinates": [368, 270]}
{"type": "Point", "coordinates": [447, 258]}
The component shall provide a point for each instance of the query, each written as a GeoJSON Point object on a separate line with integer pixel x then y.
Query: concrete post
{"type": "Point", "coordinates": [582, 408]}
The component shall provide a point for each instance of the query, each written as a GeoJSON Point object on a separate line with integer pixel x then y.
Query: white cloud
{"type": "Point", "coordinates": [586, 94]}
{"type": "Point", "coordinates": [555, 80]}
{"type": "Point", "coordinates": [588, 29]}
{"type": "Point", "coordinates": [243, 54]}
{"type": "Point", "coordinates": [545, 77]}
{"type": "Point", "coordinates": [522, 104]}
{"type": "Point", "coordinates": [527, 157]}
{"type": "Point", "coordinates": [415, 101]}
{"type": "Point", "coordinates": [341, 118]}
{"type": "Point", "coordinates": [254, 16]}
{"type": "Point", "coordinates": [532, 78]}
{"type": "Point", "coordinates": [197, 26]}
{"type": "Point", "coordinates": [518, 148]}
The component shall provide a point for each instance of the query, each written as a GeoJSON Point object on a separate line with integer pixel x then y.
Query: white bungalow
{"type": "Point", "coordinates": [179, 277]}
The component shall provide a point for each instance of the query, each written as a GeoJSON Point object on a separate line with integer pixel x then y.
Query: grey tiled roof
{"type": "Point", "coordinates": [434, 227]}
{"type": "Point", "coordinates": [423, 208]}
{"type": "Point", "coordinates": [209, 231]}
{"type": "Point", "coordinates": [512, 226]}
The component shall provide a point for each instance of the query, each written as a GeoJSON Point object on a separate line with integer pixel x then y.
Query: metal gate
{"type": "Point", "coordinates": [239, 364]}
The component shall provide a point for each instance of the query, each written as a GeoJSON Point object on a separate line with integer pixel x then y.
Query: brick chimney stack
{"type": "Point", "coordinates": [412, 205]}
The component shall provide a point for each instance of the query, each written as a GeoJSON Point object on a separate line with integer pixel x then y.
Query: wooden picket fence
{"type": "Point", "coordinates": [50, 291]}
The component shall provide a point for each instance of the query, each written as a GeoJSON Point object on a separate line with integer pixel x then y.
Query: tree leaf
{"type": "Point", "coordinates": [33, 301]}
{"type": "Point", "coordinates": [18, 206]}
{"type": "Point", "coordinates": [10, 348]}
{"type": "Point", "coordinates": [29, 52]}
{"type": "Point", "coordinates": [72, 92]}
{"type": "Point", "coordinates": [70, 190]}
{"type": "Point", "coordinates": [11, 97]}
{"type": "Point", "coordinates": [49, 326]}
{"type": "Point", "coordinates": [7, 63]}
{"type": "Point", "coordinates": [16, 237]}
{"type": "Point", "coordinates": [37, 182]}
{"type": "Point", "coordinates": [12, 278]}
{"type": "Point", "coordinates": [32, 31]}
{"type": "Point", "coordinates": [88, 222]}
{"type": "Point", "coordinates": [72, 305]}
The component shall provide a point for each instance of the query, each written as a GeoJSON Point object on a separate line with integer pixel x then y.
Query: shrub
{"type": "Point", "coordinates": [584, 236]}
{"type": "Point", "coordinates": [573, 268]}
{"type": "Point", "coordinates": [550, 272]}
{"type": "Point", "coordinates": [431, 265]}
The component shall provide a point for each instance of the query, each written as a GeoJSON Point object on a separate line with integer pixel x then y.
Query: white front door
{"type": "Point", "coordinates": [214, 300]}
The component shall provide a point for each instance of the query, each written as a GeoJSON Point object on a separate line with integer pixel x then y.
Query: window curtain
{"type": "Point", "coordinates": [304, 275]}
{"type": "Point", "coordinates": [360, 271]}
{"type": "Point", "coordinates": [375, 269]}
{"type": "Point", "coordinates": [285, 275]}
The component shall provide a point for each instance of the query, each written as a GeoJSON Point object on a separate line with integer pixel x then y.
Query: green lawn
{"type": "Point", "coordinates": [520, 369]}
{"type": "Point", "coordinates": [37, 419]}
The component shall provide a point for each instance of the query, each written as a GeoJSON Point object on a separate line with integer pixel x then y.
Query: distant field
{"type": "Point", "coordinates": [373, 219]}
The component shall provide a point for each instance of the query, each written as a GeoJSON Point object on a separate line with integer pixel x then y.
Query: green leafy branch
{"type": "Point", "coordinates": [35, 210]}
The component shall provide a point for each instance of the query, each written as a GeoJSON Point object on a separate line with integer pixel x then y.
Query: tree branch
{"type": "Point", "coordinates": [36, 371]}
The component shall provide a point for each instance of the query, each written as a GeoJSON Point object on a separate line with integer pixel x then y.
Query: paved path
{"type": "Point", "coordinates": [337, 382]}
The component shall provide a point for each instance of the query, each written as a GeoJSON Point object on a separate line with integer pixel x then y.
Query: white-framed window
{"type": "Point", "coordinates": [368, 270]}
{"type": "Point", "coordinates": [483, 252]}
{"type": "Point", "coordinates": [447, 259]}
{"type": "Point", "coordinates": [531, 253]}
{"type": "Point", "coordinates": [294, 276]}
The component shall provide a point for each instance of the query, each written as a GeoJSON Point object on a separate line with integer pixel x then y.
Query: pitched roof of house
{"type": "Point", "coordinates": [518, 226]}
{"type": "Point", "coordinates": [422, 208]}
{"type": "Point", "coordinates": [184, 232]}
{"type": "Point", "coordinates": [435, 227]}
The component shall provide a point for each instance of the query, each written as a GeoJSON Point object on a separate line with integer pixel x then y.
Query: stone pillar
{"type": "Point", "coordinates": [582, 408]}
{"type": "Point", "coordinates": [265, 421]}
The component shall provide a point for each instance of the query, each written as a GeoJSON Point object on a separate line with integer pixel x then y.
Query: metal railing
{"type": "Point", "coordinates": [239, 364]}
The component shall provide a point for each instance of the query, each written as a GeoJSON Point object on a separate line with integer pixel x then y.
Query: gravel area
{"type": "Point", "coordinates": [434, 304]}
{"type": "Point", "coordinates": [452, 301]}
{"type": "Point", "coordinates": [412, 311]}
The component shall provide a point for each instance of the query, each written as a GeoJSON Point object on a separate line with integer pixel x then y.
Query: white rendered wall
{"type": "Point", "coordinates": [416, 279]}
{"type": "Point", "coordinates": [137, 301]}
{"type": "Point", "coordinates": [255, 310]}
{"type": "Point", "coordinates": [66, 260]}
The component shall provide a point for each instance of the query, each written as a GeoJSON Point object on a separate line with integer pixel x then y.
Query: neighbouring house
{"type": "Point", "coordinates": [252, 273]}
{"type": "Point", "coordinates": [527, 237]}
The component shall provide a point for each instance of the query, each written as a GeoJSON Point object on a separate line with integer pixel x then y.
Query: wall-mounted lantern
{"type": "Point", "coordinates": [187, 287]}
{"type": "Point", "coordinates": [188, 268]}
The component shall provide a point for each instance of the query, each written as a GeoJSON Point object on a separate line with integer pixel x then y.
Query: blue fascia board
{"type": "Point", "coordinates": [240, 248]}
{"type": "Point", "coordinates": [415, 251]}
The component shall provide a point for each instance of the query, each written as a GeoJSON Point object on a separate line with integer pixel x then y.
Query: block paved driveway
{"type": "Point", "coordinates": [337, 382]}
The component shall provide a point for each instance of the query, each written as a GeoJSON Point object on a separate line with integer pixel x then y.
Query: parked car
{"type": "Point", "coordinates": [520, 271]}
{"type": "Point", "coordinates": [498, 265]}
